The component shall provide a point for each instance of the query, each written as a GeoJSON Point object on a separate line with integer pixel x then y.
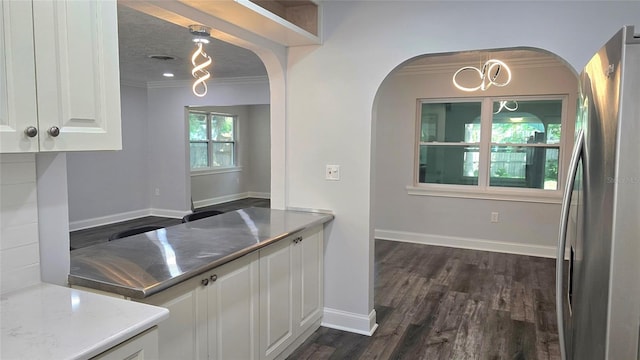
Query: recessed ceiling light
{"type": "Point", "coordinates": [168, 74]}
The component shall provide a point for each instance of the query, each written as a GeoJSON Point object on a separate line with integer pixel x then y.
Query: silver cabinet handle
{"type": "Point", "coordinates": [31, 131]}
{"type": "Point", "coordinates": [54, 131]}
{"type": "Point", "coordinates": [562, 239]}
{"type": "Point", "coordinates": [213, 277]}
{"type": "Point", "coordinates": [204, 282]}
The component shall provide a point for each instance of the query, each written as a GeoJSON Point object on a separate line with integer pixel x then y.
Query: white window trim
{"type": "Point", "coordinates": [483, 190]}
{"type": "Point", "coordinates": [495, 193]}
{"type": "Point", "coordinates": [215, 170]}
{"type": "Point", "coordinates": [210, 170]}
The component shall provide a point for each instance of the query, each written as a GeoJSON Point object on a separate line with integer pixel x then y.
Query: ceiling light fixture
{"type": "Point", "coordinates": [199, 71]}
{"type": "Point", "coordinates": [489, 74]}
{"type": "Point", "coordinates": [510, 105]}
{"type": "Point", "coordinates": [168, 74]}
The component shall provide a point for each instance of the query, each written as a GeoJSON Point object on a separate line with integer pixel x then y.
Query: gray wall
{"type": "Point", "coordinates": [169, 150]}
{"type": "Point", "coordinates": [112, 186]}
{"type": "Point", "coordinates": [259, 179]}
{"type": "Point", "coordinates": [104, 183]}
{"type": "Point", "coordinates": [252, 178]}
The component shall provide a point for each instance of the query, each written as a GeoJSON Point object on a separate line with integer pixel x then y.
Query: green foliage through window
{"type": "Point", "coordinates": [212, 140]}
{"type": "Point", "coordinates": [522, 150]}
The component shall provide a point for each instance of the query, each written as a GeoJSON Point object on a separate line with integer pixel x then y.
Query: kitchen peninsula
{"type": "Point", "coordinates": [244, 284]}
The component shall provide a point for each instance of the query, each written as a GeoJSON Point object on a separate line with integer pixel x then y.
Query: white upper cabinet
{"type": "Point", "coordinates": [60, 86]}
{"type": "Point", "coordinates": [17, 77]}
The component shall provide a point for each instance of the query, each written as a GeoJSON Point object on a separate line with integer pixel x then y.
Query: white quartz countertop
{"type": "Point", "coordinates": [55, 322]}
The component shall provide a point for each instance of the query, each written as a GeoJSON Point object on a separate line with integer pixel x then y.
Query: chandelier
{"type": "Point", "coordinates": [488, 75]}
{"type": "Point", "coordinates": [199, 71]}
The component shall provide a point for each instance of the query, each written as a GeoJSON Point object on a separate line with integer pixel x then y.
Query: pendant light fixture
{"type": "Point", "coordinates": [199, 72]}
{"type": "Point", "coordinates": [488, 75]}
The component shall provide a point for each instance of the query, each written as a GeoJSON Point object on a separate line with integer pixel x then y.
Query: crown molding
{"type": "Point", "coordinates": [421, 69]}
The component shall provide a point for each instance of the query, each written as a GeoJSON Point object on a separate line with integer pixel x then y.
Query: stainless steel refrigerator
{"type": "Point", "coordinates": [598, 285]}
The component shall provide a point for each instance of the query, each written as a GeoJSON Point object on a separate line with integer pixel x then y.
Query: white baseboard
{"type": "Point", "coordinates": [468, 243]}
{"type": "Point", "coordinates": [351, 322]}
{"type": "Point", "coordinates": [129, 215]}
{"type": "Point", "coordinates": [176, 214]}
{"type": "Point", "coordinates": [109, 219]}
{"type": "Point", "coordinates": [233, 197]}
{"type": "Point", "coordinates": [259, 195]}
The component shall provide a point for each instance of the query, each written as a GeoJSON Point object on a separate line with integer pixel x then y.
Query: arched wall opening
{"type": "Point", "coordinates": [274, 58]}
{"type": "Point", "coordinates": [460, 217]}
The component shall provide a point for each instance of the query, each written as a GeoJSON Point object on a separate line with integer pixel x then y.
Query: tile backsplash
{"type": "Point", "coordinates": [19, 246]}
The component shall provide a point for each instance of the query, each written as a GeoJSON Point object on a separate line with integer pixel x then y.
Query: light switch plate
{"type": "Point", "coordinates": [332, 172]}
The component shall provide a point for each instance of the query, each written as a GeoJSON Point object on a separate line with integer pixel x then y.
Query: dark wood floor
{"type": "Point", "coordinates": [443, 303]}
{"type": "Point", "coordinates": [431, 302]}
{"type": "Point", "coordinates": [99, 234]}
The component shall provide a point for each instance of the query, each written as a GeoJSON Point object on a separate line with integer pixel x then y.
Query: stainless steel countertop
{"type": "Point", "coordinates": [142, 265]}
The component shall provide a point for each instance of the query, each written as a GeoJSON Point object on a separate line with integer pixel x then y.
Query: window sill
{"type": "Point", "coordinates": [499, 194]}
{"type": "Point", "coordinates": [213, 171]}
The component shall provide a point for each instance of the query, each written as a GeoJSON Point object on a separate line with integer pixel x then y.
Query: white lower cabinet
{"type": "Point", "coordinates": [309, 280]}
{"type": "Point", "coordinates": [212, 316]}
{"type": "Point", "coordinates": [233, 310]}
{"type": "Point", "coordinates": [291, 292]}
{"type": "Point", "coordinates": [255, 307]}
{"type": "Point", "coordinates": [276, 297]}
{"type": "Point", "coordinates": [143, 346]}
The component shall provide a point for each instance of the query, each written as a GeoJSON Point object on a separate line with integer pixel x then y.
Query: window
{"type": "Point", "coordinates": [212, 140]}
{"type": "Point", "coordinates": [485, 143]}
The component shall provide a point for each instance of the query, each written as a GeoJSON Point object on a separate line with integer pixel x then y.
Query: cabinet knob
{"type": "Point", "coordinates": [54, 131]}
{"type": "Point", "coordinates": [214, 277]}
{"type": "Point", "coordinates": [205, 282]}
{"type": "Point", "coordinates": [31, 131]}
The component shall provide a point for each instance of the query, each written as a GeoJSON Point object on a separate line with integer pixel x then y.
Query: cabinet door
{"type": "Point", "coordinates": [308, 296]}
{"type": "Point", "coordinates": [184, 334]}
{"type": "Point", "coordinates": [78, 81]}
{"type": "Point", "coordinates": [233, 310]}
{"type": "Point", "coordinates": [17, 78]}
{"type": "Point", "coordinates": [141, 347]}
{"type": "Point", "coordinates": [276, 298]}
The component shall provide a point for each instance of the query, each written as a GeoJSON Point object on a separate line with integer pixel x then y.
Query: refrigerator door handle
{"type": "Point", "coordinates": [562, 239]}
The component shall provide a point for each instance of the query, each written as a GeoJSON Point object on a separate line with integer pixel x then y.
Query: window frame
{"type": "Point", "coordinates": [211, 169]}
{"type": "Point", "coordinates": [483, 190]}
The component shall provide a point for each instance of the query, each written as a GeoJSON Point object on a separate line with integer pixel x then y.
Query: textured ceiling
{"type": "Point", "coordinates": [141, 35]}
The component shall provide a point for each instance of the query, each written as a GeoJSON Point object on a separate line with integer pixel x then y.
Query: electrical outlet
{"type": "Point", "coordinates": [494, 217]}
{"type": "Point", "coordinates": [332, 172]}
{"type": "Point", "coordinates": [157, 192]}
